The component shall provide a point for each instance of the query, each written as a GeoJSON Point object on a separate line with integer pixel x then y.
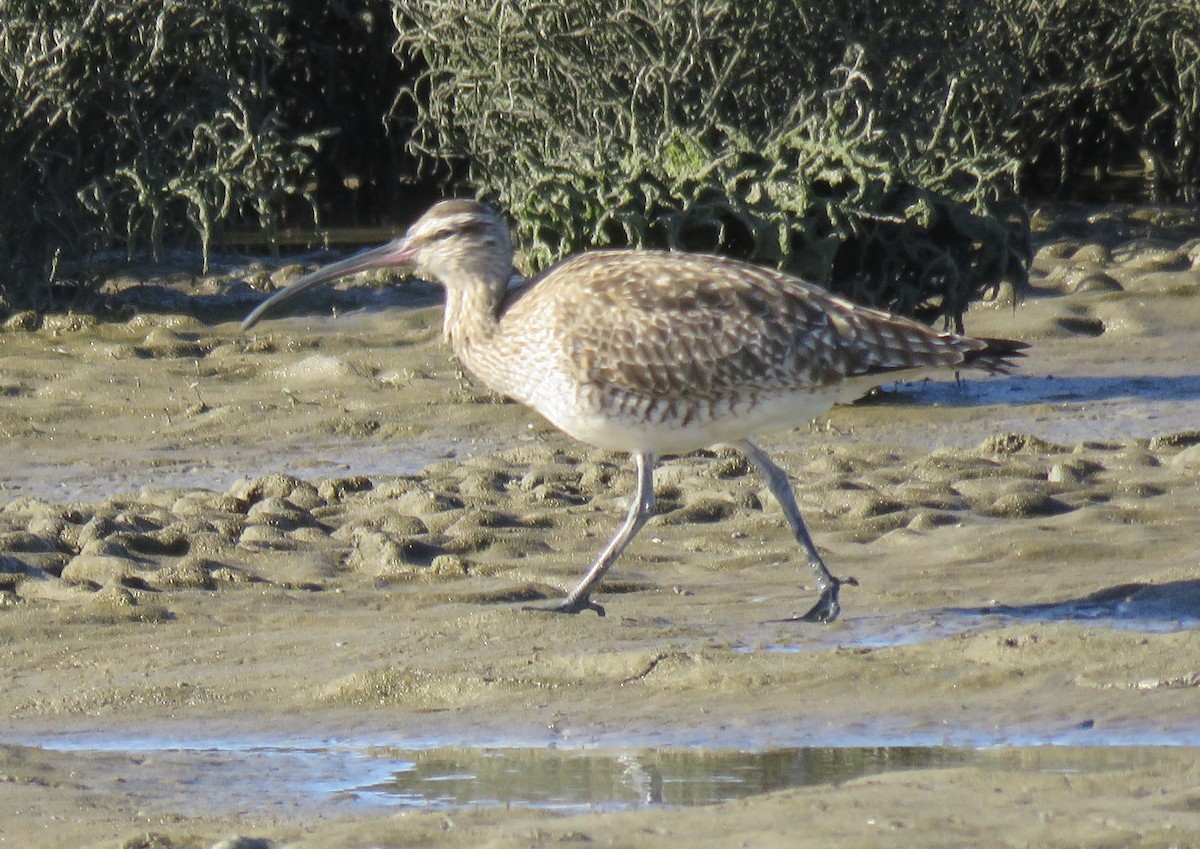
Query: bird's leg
{"type": "Point", "coordinates": [640, 511]}
{"type": "Point", "coordinates": [827, 607]}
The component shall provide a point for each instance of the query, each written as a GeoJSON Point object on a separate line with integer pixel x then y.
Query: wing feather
{"type": "Point", "coordinates": [699, 327]}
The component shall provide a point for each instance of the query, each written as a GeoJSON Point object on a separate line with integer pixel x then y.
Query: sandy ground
{"type": "Point", "coordinates": [325, 531]}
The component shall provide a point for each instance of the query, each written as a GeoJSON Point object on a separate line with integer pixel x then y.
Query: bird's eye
{"type": "Point", "coordinates": [438, 235]}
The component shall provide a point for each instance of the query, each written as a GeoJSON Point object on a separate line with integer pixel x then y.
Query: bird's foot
{"type": "Point", "coordinates": [827, 608]}
{"type": "Point", "coordinates": [567, 605]}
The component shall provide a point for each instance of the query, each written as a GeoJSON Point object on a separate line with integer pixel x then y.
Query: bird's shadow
{"type": "Point", "coordinates": [1020, 390]}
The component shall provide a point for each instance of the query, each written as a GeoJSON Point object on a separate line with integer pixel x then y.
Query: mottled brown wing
{"type": "Point", "coordinates": [670, 325]}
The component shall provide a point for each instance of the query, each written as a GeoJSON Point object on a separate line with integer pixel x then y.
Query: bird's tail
{"type": "Point", "coordinates": [996, 356]}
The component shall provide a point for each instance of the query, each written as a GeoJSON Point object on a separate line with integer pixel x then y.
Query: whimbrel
{"type": "Point", "coordinates": [656, 353]}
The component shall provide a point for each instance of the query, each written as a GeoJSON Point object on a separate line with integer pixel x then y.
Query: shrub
{"type": "Point", "coordinates": [1108, 87]}
{"type": "Point", "coordinates": [877, 147]}
{"type": "Point", "coordinates": [124, 122]}
{"type": "Point", "coordinates": [881, 147]}
{"type": "Point", "coordinates": [765, 130]}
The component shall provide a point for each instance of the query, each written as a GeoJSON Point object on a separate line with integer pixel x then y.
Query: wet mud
{"type": "Point", "coordinates": [314, 542]}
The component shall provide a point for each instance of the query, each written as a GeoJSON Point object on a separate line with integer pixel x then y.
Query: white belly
{"type": "Point", "coordinates": [679, 427]}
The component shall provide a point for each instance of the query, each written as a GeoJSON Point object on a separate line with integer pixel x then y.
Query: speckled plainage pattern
{"type": "Point", "coordinates": [655, 353]}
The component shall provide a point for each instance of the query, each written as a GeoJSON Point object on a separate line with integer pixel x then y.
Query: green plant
{"type": "Point", "coordinates": [764, 130]}
{"type": "Point", "coordinates": [123, 122]}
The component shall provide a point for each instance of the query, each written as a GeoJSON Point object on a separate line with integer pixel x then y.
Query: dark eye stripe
{"type": "Point", "coordinates": [466, 227]}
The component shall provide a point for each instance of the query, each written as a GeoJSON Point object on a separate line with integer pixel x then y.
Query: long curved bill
{"type": "Point", "coordinates": [394, 253]}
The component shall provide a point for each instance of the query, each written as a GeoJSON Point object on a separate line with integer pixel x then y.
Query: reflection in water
{"type": "Point", "coordinates": [552, 778]}
{"type": "Point", "coordinates": [214, 776]}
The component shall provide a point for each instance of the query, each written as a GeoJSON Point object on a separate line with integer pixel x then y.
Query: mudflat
{"type": "Point", "coordinates": [317, 539]}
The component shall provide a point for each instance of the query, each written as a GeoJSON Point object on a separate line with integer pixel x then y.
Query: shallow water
{"type": "Point", "coordinates": [313, 776]}
{"type": "Point", "coordinates": [1158, 609]}
{"type": "Point", "coordinates": [128, 469]}
{"type": "Point", "coordinates": [1067, 410]}
{"type": "Point", "coordinates": [1061, 410]}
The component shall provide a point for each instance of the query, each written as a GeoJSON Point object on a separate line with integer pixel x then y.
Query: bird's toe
{"type": "Point", "coordinates": [567, 606]}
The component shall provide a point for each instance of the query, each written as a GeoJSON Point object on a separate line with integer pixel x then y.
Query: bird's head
{"type": "Point", "coordinates": [457, 243]}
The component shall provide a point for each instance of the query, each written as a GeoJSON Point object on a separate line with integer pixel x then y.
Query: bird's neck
{"type": "Point", "coordinates": [472, 315]}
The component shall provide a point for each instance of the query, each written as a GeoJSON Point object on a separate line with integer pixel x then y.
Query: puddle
{"type": "Point", "coordinates": [1154, 608]}
{"type": "Point", "coordinates": [1159, 608]}
{"type": "Point", "coordinates": [311, 777]}
{"type": "Point", "coordinates": [1020, 389]}
{"type": "Point", "coordinates": [1085, 407]}
{"type": "Point", "coordinates": [571, 779]}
